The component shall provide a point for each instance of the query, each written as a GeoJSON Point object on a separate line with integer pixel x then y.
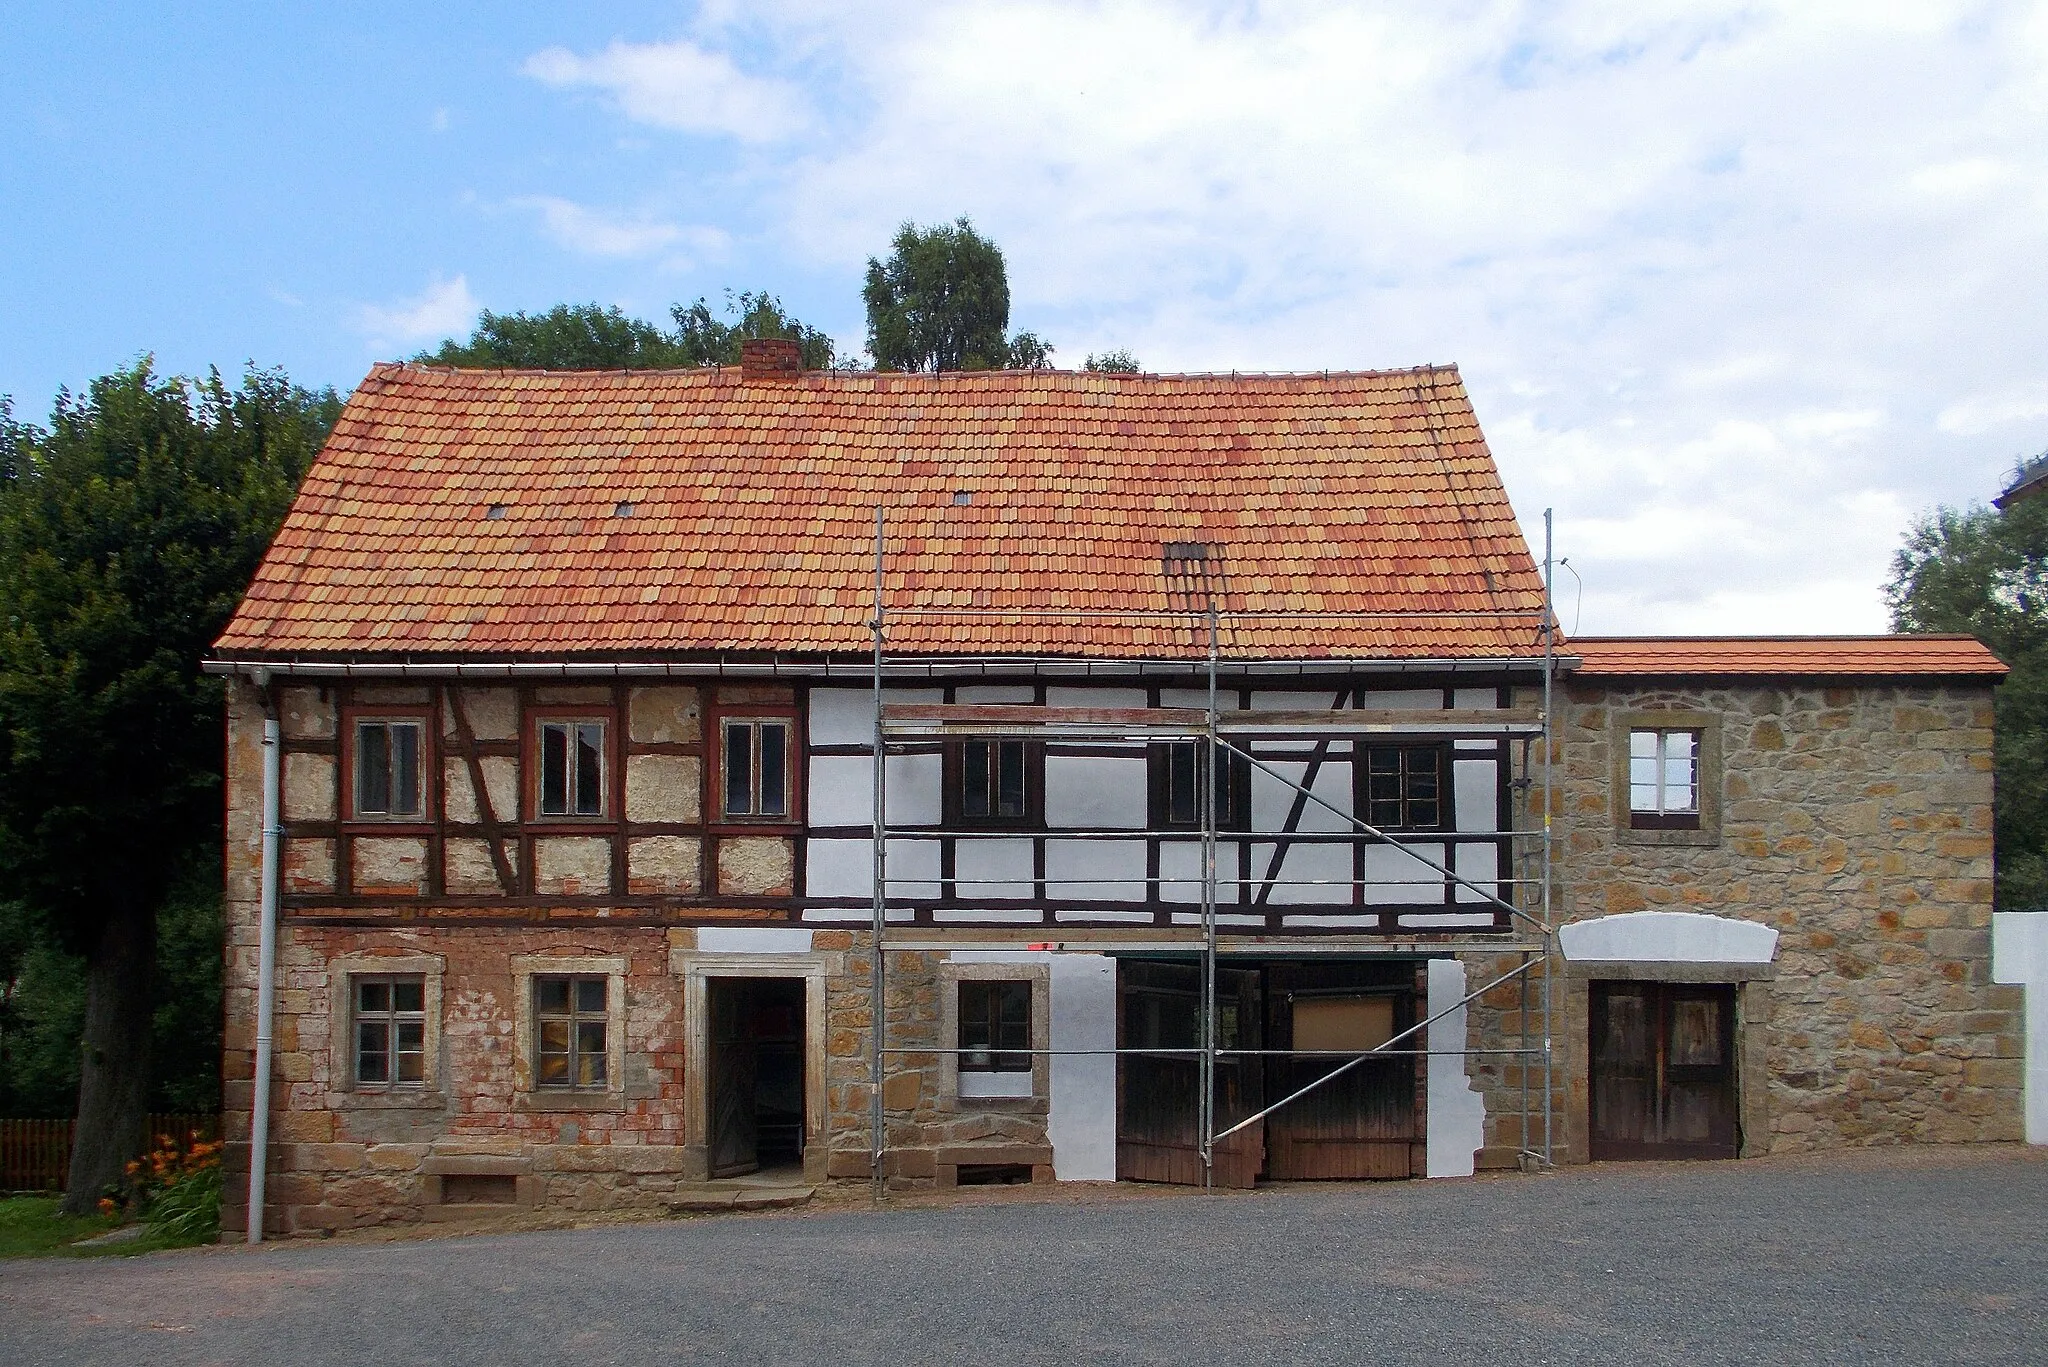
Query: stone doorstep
{"type": "Point", "coordinates": [702, 1196]}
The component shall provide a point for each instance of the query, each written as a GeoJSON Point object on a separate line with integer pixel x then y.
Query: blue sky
{"type": "Point", "coordinates": [1739, 288]}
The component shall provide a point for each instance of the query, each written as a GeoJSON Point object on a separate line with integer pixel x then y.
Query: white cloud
{"type": "Point", "coordinates": [595, 232]}
{"type": "Point", "coordinates": [445, 309]}
{"type": "Point", "coordinates": [676, 85]}
{"type": "Point", "coordinates": [1739, 287]}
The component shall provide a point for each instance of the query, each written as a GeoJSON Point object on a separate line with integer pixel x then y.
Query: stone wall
{"type": "Point", "coordinates": [1856, 821]}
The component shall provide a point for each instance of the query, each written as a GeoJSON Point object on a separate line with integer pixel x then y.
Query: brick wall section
{"type": "Point", "coordinates": [1857, 822]}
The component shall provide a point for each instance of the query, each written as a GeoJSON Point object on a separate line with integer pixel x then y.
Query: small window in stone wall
{"type": "Point", "coordinates": [390, 1030]}
{"type": "Point", "coordinates": [1664, 779]}
{"type": "Point", "coordinates": [569, 1031]}
{"type": "Point", "coordinates": [995, 1020]}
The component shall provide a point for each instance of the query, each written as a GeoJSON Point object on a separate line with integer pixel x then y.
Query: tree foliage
{"type": "Point", "coordinates": [593, 337]}
{"type": "Point", "coordinates": [942, 302]}
{"type": "Point", "coordinates": [1985, 571]}
{"type": "Point", "coordinates": [128, 531]}
{"type": "Point", "coordinates": [1118, 362]}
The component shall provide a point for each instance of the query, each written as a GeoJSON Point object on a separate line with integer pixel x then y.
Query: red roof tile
{"type": "Point", "coordinates": [1811, 656]}
{"type": "Point", "coordinates": [1369, 497]}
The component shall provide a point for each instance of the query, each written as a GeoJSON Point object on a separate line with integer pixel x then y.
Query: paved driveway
{"type": "Point", "coordinates": [1917, 1257]}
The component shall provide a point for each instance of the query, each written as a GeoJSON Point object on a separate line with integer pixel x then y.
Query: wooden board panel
{"type": "Point", "coordinates": [1158, 1097]}
{"type": "Point", "coordinates": [1364, 1122]}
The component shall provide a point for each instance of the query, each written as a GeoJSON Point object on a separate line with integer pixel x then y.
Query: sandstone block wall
{"type": "Point", "coordinates": [1856, 821]}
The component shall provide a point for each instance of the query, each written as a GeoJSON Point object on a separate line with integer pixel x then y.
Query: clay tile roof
{"type": "Point", "coordinates": [461, 513]}
{"type": "Point", "coordinates": [1808, 656]}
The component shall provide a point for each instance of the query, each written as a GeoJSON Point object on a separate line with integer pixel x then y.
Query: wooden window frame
{"type": "Point", "coordinates": [1661, 819]}
{"type": "Point", "coordinates": [343, 970]}
{"type": "Point", "coordinates": [1361, 785]}
{"type": "Point", "coordinates": [712, 806]}
{"type": "Point", "coordinates": [426, 819]}
{"type": "Point", "coordinates": [576, 1016]}
{"type": "Point", "coordinates": [997, 1060]}
{"type": "Point", "coordinates": [612, 783]}
{"type": "Point", "coordinates": [527, 1095]}
{"type": "Point", "coordinates": [754, 718]}
{"type": "Point", "coordinates": [392, 1018]}
{"type": "Point", "coordinates": [954, 774]}
{"type": "Point", "coordinates": [1034, 1099]}
{"type": "Point", "coordinates": [1237, 768]}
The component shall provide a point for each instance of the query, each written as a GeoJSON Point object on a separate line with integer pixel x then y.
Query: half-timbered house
{"type": "Point", "coordinates": [1239, 814]}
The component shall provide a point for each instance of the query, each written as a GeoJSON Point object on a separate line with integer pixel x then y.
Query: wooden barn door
{"type": "Point", "coordinates": [1158, 1096]}
{"type": "Point", "coordinates": [1663, 1071]}
{"type": "Point", "coordinates": [1363, 1123]}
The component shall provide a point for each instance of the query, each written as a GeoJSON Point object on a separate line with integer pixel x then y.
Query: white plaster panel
{"type": "Point", "coordinates": [842, 792]}
{"type": "Point", "coordinates": [1015, 916]}
{"type": "Point", "coordinates": [1403, 699]}
{"type": "Point", "coordinates": [2019, 954]}
{"type": "Point", "coordinates": [1081, 1122]}
{"type": "Point", "coordinates": [1104, 914]}
{"type": "Point", "coordinates": [1456, 1110]}
{"type": "Point", "coordinates": [1097, 792]}
{"type": "Point", "coordinates": [1332, 921]}
{"type": "Point", "coordinates": [1669, 937]}
{"type": "Point", "coordinates": [1392, 875]}
{"type": "Point", "coordinates": [1302, 862]}
{"type": "Point", "coordinates": [1180, 871]}
{"type": "Point", "coordinates": [1072, 866]}
{"type": "Point", "coordinates": [1476, 794]}
{"type": "Point", "coordinates": [846, 716]}
{"type": "Point", "coordinates": [995, 860]}
{"type": "Point", "coordinates": [1481, 864]}
{"type": "Point", "coordinates": [1272, 798]}
{"type": "Point", "coordinates": [1095, 697]}
{"type": "Point", "coordinates": [854, 916]}
{"type": "Point", "coordinates": [1226, 698]}
{"type": "Point", "coordinates": [1475, 697]}
{"type": "Point", "coordinates": [1445, 920]}
{"type": "Point", "coordinates": [752, 940]}
{"type": "Point", "coordinates": [1191, 918]}
{"type": "Point", "coordinates": [846, 868]}
{"type": "Point", "coordinates": [988, 694]}
{"type": "Point", "coordinates": [1288, 700]}
{"type": "Point", "coordinates": [974, 1085]}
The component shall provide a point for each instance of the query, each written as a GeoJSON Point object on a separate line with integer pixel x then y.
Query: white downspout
{"type": "Point", "coordinates": [266, 978]}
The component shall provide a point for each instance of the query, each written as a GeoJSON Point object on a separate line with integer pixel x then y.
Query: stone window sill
{"type": "Point", "coordinates": [1014, 1105]}
{"type": "Point", "coordinates": [388, 1101]}
{"type": "Point", "coordinates": [568, 1100]}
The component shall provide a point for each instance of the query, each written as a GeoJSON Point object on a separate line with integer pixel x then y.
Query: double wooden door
{"type": "Point", "coordinates": [757, 1073]}
{"type": "Point", "coordinates": [1663, 1070]}
{"type": "Point", "coordinates": [1159, 1121]}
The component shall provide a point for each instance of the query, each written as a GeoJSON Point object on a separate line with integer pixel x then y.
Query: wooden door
{"type": "Point", "coordinates": [734, 1079]}
{"type": "Point", "coordinates": [1663, 1071]}
{"type": "Point", "coordinates": [1159, 1120]}
{"type": "Point", "coordinates": [1362, 1123]}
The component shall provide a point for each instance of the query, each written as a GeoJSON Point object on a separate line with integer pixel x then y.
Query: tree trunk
{"type": "Point", "coordinates": [113, 1083]}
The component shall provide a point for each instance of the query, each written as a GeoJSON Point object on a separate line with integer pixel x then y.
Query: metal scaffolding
{"type": "Point", "coordinates": [1221, 736]}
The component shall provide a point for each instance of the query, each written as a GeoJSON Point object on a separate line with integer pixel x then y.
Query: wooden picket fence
{"type": "Point", "coordinates": [35, 1155]}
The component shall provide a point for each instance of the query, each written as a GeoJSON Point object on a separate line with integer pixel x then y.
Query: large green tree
{"type": "Point", "coordinates": [1985, 571]}
{"type": "Point", "coordinates": [942, 302]}
{"type": "Point", "coordinates": [128, 531]}
{"type": "Point", "coordinates": [593, 337]}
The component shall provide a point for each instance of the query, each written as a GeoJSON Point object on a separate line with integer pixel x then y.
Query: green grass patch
{"type": "Point", "coordinates": [30, 1227]}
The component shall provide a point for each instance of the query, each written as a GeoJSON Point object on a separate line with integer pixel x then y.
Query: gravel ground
{"type": "Point", "coordinates": [1908, 1257]}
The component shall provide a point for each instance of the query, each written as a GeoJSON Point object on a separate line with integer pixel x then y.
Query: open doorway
{"type": "Point", "coordinates": [756, 1074]}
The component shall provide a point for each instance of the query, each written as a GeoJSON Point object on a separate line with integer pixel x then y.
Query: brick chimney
{"type": "Point", "coordinates": [770, 358]}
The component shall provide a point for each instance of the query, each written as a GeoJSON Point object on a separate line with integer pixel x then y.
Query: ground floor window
{"type": "Point", "coordinates": [570, 1030]}
{"type": "Point", "coordinates": [390, 1029]}
{"type": "Point", "coordinates": [995, 1026]}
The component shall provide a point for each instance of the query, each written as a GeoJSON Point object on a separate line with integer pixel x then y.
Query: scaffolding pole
{"type": "Point", "coordinates": [878, 1001]}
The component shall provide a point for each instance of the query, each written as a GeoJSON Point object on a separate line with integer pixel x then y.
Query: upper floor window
{"type": "Point", "coordinates": [755, 764]}
{"type": "Point", "coordinates": [572, 768]}
{"type": "Point", "coordinates": [1177, 788]}
{"type": "Point", "coordinates": [1403, 787]}
{"type": "Point", "coordinates": [388, 768]}
{"type": "Point", "coordinates": [1664, 779]}
{"type": "Point", "coordinates": [995, 782]}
